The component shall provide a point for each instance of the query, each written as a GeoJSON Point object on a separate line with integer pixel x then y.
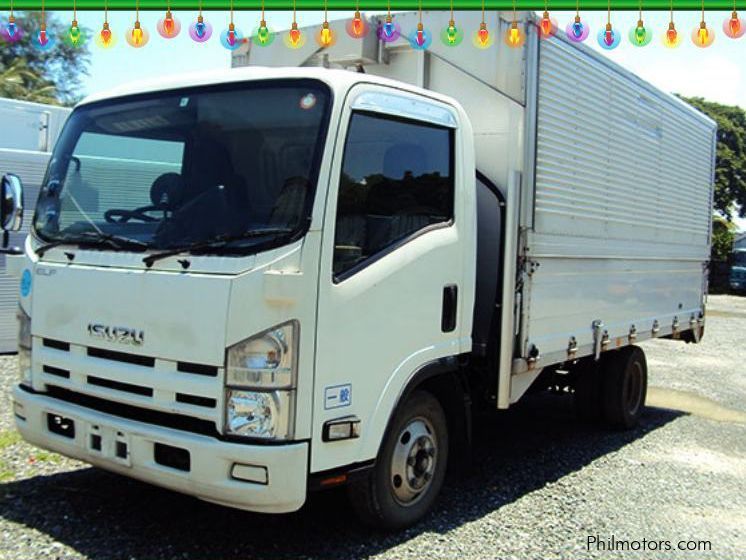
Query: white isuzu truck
{"type": "Point", "coordinates": [250, 284]}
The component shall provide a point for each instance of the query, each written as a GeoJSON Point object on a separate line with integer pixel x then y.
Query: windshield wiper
{"type": "Point", "coordinates": [93, 237]}
{"type": "Point", "coordinates": [216, 242]}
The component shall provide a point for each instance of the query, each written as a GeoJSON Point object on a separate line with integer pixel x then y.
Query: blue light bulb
{"type": "Point", "coordinates": [577, 29]}
{"type": "Point", "coordinates": [199, 28]}
{"type": "Point", "coordinates": [388, 28]}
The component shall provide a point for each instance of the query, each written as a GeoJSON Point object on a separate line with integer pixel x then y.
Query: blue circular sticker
{"type": "Point", "coordinates": [26, 283]}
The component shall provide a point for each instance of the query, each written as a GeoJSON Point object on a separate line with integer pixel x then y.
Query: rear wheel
{"type": "Point", "coordinates": [410, 467]}
{"type": "Point", "coordinates": [625, 386]}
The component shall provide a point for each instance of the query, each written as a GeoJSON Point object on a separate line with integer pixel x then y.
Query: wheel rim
{"type": "Point", "coordinates": [413, 461]}
{"type": "Point", "coordinates": [633, 389]}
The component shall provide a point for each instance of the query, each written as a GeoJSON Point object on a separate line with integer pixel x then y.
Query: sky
{"type": "Point", "coordinates": [716, 73]}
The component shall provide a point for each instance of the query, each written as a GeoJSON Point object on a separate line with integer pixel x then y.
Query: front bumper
{"type": "Point", "coordinates": [211, 461]}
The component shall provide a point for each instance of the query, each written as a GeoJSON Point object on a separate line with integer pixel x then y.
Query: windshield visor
{"type": "Point", "coordinates": [181, 167]}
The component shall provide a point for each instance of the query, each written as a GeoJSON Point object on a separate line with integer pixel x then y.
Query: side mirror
{"type": "Point", "coordinates": [11, 203]}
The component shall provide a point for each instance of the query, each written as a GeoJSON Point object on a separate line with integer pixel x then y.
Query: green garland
{"type": "Point", "coordinates": [375, 5]}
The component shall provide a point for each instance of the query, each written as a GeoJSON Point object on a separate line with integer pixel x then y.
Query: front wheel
{"type": "Point", "coordinates": [410, 467]}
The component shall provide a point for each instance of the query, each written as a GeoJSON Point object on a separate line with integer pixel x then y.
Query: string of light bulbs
{"type": "Point", "coordinates": [388, 30]}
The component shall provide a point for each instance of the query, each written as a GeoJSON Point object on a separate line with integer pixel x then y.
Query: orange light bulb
{"type": "Point", "coordinates": [106, 34]}
{"type": "Point", "coordinates": [735, 24]}
{"type": "Point", "coordinates": [672, 35]}
{"type": "Point", "coordinates": [483, 34]}
{"type": "Point", "coordinates": [294, 34]}
{"type": "Point", "coordinates": [357, 24]}
{"type": "Point", "coordinates": [168, 23]}
{"type": "Point", "coordinates": [546, 24]}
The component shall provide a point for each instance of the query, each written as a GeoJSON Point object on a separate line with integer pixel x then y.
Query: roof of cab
{"type": "Point", "coordinates": [338, 80]}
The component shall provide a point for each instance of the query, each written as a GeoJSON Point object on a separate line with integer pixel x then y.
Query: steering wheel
{"type": "Point", "coordinates": [122, 216]}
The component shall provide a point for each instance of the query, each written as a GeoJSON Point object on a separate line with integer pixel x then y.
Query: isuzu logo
{"type": "Point", "coordinates": [122, 335]}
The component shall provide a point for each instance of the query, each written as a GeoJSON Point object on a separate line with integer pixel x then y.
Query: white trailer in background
{"type": "Point", "coordinates": [303, 277]}
{"type": "Point", "coordinates": [30, 131]}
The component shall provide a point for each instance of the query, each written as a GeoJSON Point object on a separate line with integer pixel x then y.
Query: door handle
{"type": "Point", "coordinates": [450, 308]}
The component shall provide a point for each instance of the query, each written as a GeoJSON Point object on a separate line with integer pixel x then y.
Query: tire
{"type": "Point", "coordinates": [625, 385]}
{"type": "Point", "coordinates": [416, 446]}
{"type": "Point", "coordinates": [587, 396]}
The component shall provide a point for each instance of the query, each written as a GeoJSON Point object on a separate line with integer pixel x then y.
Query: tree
{"type": "Point", "coordinates": [18, 81]}
{"type": "Point", "coordinates": [60, 68]}
{"type": "Point", "coordinates": [730, 170]}
{"type": "Point", "coordinates": [723, 235]}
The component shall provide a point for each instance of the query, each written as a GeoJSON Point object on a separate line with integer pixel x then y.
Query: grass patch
{"type": "Point", "coordinates": [8, 438]}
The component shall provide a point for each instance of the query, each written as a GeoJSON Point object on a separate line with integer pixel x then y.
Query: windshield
{"type": "Point", "coordinates": [739, 258]}
{"type": "Point", "coordinates": [187, 166]}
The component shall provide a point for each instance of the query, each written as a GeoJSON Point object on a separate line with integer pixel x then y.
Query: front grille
{"type": "Point", "coordinates": [119, 386]}
{"type": "Point", "coordinates": [175, 421]}
{"type": "Point", "coordinates": [134, 382]}
{"type": "Point", "coordinates": [122, 357]}
{"type": "Point", "coordinates": [197, 369]}
{"type": "Point", "coordinates": [58, 344]}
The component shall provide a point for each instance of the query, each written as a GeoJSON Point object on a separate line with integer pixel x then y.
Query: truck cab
{"type": "Point", "coordinates": [220, 271]}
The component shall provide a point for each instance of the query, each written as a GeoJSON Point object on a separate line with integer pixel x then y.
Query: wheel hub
{"type": "Point", "coordinates": [413, 461]}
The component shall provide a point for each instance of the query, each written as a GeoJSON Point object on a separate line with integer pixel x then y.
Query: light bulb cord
{"type": "Point", "coordinates": [451, 10]}
{"type": "Point", "coordinates": [419, 9]}
{"type": "Point", "coordinates": [294, 11]}
{"type": "Point", "coordinates": [482, 11]}
{"type": "Point", "coordinates": [608, 12]}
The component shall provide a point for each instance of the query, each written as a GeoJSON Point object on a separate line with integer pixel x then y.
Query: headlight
{"type": "Point", "coordinates": [268, 359]}
{"type": "Point", "coordinates": [259, 415]}
{"type": "Point", "coordinates": [24, 346]}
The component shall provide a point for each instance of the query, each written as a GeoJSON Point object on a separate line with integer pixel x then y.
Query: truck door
{"type": "Point", "coordinates": [397, 263]}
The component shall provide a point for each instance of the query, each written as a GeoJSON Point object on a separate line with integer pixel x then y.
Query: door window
{"type": "Point", "coordinates": [396, 182]}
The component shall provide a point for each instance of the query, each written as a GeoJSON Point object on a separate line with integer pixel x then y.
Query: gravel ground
{"type": "Point", "coordinates": [542, 484]}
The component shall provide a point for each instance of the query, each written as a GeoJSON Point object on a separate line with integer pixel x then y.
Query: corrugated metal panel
{"type": "Point", "coordinates": [622, 205]}
{"type": "Point", "coordinates": [616, 161]}
{"type": "Point", "coordinates": [30, 167]}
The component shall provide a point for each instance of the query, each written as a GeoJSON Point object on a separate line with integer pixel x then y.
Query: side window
{"type": "Point", "coordinates": [397, 179]}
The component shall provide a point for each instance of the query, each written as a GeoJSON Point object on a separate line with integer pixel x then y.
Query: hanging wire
{"type": "Point", "coordinates": [231, 12]}
{"type": "Point", "coordinates": [577, 8]}
{"type": "Point", "coordinates": [482, 11]}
